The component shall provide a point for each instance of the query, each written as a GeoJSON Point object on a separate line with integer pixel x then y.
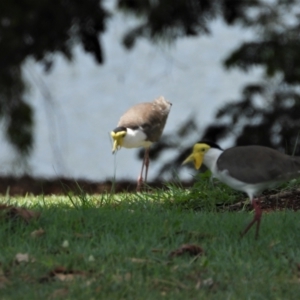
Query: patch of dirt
{"type": "Point", "coordinates": [59, 186]}
{"type": "Point", "coordinates": [273, 200]}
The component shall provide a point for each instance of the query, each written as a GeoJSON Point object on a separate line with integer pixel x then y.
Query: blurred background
{"type": "Point", "coordinates": [69, 69]}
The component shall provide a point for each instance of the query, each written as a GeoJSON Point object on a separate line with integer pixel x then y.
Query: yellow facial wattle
{"type": "Point", "coordinates": [196, 159]}
{"type": "Point", "coordinates": [118, 140]}
{"type": "Point", "coordinates": [197, 155]}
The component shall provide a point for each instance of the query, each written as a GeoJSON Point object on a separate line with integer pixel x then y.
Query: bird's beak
{"type": "Point", "coordinates": [196, 159]}
{"type": "Point", "coordinates": [118, 140]}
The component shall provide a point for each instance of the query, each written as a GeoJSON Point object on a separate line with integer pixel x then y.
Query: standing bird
{"type": "Point", "coordinates": [250, 169]}
{"type": "Point", "coordinates": [141, 126]}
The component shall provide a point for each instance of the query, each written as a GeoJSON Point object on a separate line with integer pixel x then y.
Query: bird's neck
{"type": "Point", "coordinates": [211, 157]}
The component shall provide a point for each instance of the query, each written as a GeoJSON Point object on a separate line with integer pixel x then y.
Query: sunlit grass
{"type": "Point", "coordinates": [116, 246]}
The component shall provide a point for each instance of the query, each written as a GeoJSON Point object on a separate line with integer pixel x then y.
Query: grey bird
{"type": "Point", "coordinates": [251, 169]}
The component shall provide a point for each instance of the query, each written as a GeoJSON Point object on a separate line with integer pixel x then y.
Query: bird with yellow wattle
{"type": "Point", "coordinates": [141, 126]}
{"type": "Point", "coordinates": [250, 169]}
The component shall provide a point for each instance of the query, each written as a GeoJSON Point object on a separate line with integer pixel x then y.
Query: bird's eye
{"type": "Point", "coordinates": [203, 150]}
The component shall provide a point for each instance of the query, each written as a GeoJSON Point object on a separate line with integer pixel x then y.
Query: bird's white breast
{"type": "Point", "coordinates": [210, 159]}
{"type": "Point", "coordinates": [251, 189]}
{"type": "Point", "coordinates": [135, 138]}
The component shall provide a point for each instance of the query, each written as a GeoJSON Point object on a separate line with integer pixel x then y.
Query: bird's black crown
{"type": "Point", "coordinates": [210, 143]}
{"type": "Point", "coordinates": [119, 129]}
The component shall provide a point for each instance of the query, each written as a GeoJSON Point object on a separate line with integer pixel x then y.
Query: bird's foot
{"type": "Point", "coordinates": [256, 218]}
{"type": "Point", "coordinates": [140, 182]}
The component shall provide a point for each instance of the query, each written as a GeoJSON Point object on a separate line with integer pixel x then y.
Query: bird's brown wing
{"type": "Point", "coordinates": [147, 116]}
{"type": "Point", "coordinates": [257, 164]}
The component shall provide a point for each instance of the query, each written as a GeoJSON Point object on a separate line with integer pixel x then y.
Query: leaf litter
{"type": "Point", "coordinates": [3, 279]}
{"type": "Point", "coordinates": [23, 258]}
{"type": "Point", "coordinates": [193, 250]}
{"type": "Point", "coordinates": [37, 233]}
{"type": "Point", "coordinates": [14, 212]}
{"type": "Point", "coordinates": [63, 274]}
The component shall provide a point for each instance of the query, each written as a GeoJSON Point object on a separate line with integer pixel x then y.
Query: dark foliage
{"type": "Point", "coordinates": [37, 29]}
{"type": "Point", "coordinates": [276, 125]}
{"type": "Point", "coordinates": [279, 54]}
{"type": "Point", "coordinates": [168, 19]}
{"type": "Point", "coordinates": [268, 112]}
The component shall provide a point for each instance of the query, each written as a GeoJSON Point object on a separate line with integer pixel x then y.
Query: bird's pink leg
{"type": "Point", "coordinates": [145, 163]}
{"type": "Point", "coordinates": [256, 218]}
{"type": "Point", "coordinates": [140, 178]}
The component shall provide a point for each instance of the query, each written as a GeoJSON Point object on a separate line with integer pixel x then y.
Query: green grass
{"type": "Point", "coordinates": [120, 246]}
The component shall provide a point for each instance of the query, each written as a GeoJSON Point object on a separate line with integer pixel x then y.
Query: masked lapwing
{"type": "Point", "coordinates": [141, 126]}
{"type": "Point", "coordinates": [250, 169]}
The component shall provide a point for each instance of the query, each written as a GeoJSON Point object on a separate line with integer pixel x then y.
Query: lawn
{"type": "Point", "coordinates": [161, 244]}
